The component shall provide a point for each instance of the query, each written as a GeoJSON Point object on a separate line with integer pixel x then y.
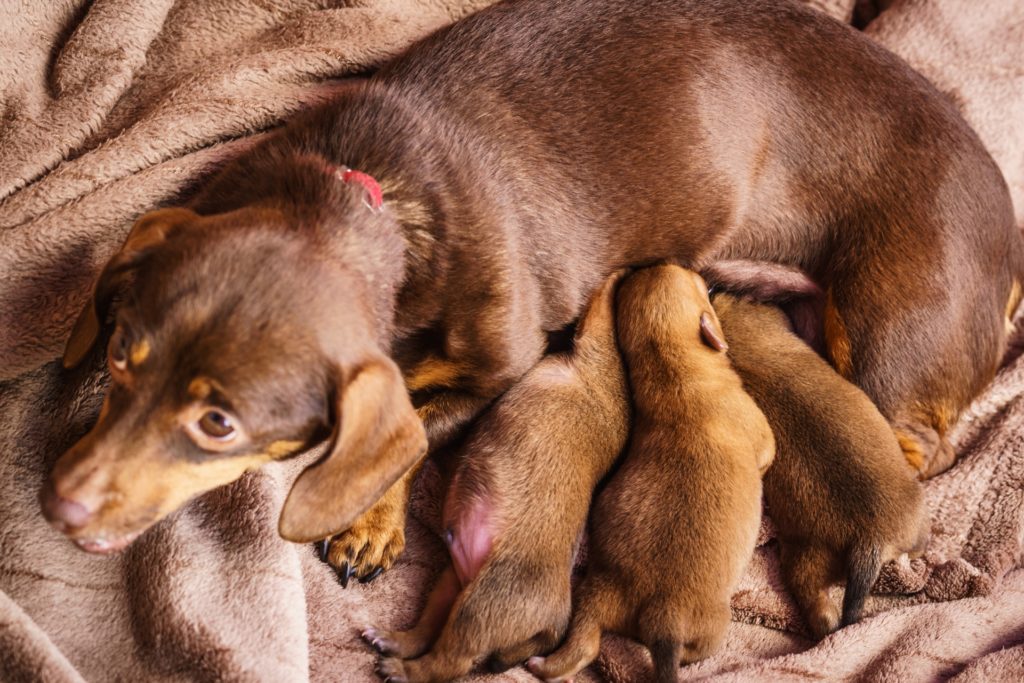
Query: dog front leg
{"type": "Point", "coordinates": [376, 539]}
{"type": "Point", "coordinates": [447, 414]}
{"type": "Point", "coordinates": [457, 391]}
{"type": "Point", "coordinates": [451, 393]}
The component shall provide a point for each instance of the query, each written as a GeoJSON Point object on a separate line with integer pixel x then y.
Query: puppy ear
{"type": "Point", "coordinates": [147, 232]}
{"type": "Point", "coordinates": [377, 437]}
{"type": "Point", "coordinates": [711, 331]}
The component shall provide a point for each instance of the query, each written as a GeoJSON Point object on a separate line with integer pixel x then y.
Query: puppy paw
{"type": "Point", "coordinates": [537, 666]}
{"type": "Point", "coordinates": [381, 641]}
{"type": "Point", "coordinates": [823, 620]}
{"type": "Point", "coordinates": [392, 670]}
{"type": "Point", "coordinates": [370, 546]}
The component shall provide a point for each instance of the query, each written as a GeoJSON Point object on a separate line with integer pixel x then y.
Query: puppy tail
{"type": "Point", "coordinates": [666, 655]}
{"type": "Point", "coordinates": [862, 567]}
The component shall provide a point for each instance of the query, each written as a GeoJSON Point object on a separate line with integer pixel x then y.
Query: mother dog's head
{"type": "Point", "coordinates": [237, 339]}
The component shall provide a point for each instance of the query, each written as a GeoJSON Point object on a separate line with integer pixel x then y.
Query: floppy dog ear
{"type": "Point", "coordinates": [710, 327]}
{"type": "Point", "coordinates": [711, 331]}
{"type": "Point", "coordinates": [148, 231]}
{"type": "Point", "coordinates": [377, 437]}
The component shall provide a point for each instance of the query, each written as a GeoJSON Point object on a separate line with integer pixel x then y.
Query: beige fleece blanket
{"type": "Point", "coordinates": [114, 107]}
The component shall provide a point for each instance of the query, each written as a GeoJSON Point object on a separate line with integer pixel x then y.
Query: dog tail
{"type": "Point", "coordinates": [666, 654]}
{"type": "Point", "coordinates": [863, 564]}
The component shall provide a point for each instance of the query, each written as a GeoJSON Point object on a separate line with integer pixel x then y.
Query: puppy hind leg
{"type": "Point", "coordinates": [430, 668]}
{"type": "Point", "coordinates": [576, 653]}
{"type": "Point", "coordinates": [417, 640]}
{"type": "Point", "coordinates": [808, 571]}
{"type": "Point", "coordinates": [452, 656]}
{"type": "Point", "coordinates": [598, 606]}
{"type": "Point", "coordinates": [503, 660]}
{"type": "Point", "coordinates": [682, 638]}
{"type": "Point", "coordinates": [487, 615]}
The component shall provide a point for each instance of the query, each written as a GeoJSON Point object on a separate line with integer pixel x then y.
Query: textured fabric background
{"type": "Point", "coordinates": [114, 107]}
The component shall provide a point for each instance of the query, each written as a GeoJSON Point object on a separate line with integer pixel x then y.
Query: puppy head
{"type": "Point", "coordinates": [235, 342]}
{"type": "Point", "coordinates": [674, 300]}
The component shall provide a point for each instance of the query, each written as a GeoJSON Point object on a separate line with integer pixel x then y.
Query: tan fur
{"type": "Point", "coordinates": [912, 451]}
{"type": "Point", "coordinates": [839, 491]}
{"type": "Point", "coordinates": [675, 527]}
{"type": "Point", "coordinates": [836, 338]}
{"type": "Point", "coordinates": [145, 487]}
{"type": "Point", "coordinates": [433, 373]}
{"type": "Point", "coordinates": [1011, 307]}
{"type": "Point", "coordinates": [140, 352]}
{"type": "Point", "coordinates": [533, 461]}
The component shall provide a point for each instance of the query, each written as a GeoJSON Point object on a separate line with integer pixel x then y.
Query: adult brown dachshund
{"type": "Point", "coordinates": [521, 156]}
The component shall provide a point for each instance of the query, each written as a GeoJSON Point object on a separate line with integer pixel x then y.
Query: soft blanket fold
{"type": "Point", "coordinates": [113, 107]}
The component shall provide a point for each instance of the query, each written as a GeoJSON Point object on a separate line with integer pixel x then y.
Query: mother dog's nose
{"type": "Point", "coordinates": [62, 513]}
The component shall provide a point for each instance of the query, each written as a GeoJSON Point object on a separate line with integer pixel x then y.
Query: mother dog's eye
{"type": "Point", "coordinates": [217, 425]}
{"type": "Point", "coordinates": [118, 349]}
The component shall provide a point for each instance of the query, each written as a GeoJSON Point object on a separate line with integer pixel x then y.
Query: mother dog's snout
{"type": "Point", "coordinates": [62, 513]}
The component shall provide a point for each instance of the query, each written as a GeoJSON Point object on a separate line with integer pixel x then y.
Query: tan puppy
{"type": "Point", "coordinates": [515, 509]}
{"type": "Point", "coordinates": [676, 526]}
{"type": "Point", "coordinates": [841, 494]}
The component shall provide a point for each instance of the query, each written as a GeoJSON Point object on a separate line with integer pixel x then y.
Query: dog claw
{"type": "Point", "coordinates": [391, 670]}
{"type": "Point", "coordinates": [381, 642]}
{"type": "Point", "coordinates": [372, 575]}
{"type": "Point", "coordinates": [321, 547]}
{"type": "Point", "coordinates": [373, 639]}
{"type": "Point", "coordinates": [344, 573]}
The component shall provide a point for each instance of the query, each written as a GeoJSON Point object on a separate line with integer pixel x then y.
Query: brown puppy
{"type": "Point", "coordinates": [523, 155]}
{"type": "Point", "coordinates": [515, 511]}
{"type": "Point", "coordinates": [676, 526]}
{"type": "Point", "coordinates": [841, 494]}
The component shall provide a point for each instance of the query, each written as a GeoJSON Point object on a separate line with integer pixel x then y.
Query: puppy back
{"type": "Point", "coordinates": [835, 449]}
{"type": "Point", "coordinates": [694, 446]}
{"type": "Point", "coordinates": [533, 459]}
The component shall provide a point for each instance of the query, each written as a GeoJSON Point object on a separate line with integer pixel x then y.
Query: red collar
{"type": "Point", "coordinates": [374, 195]}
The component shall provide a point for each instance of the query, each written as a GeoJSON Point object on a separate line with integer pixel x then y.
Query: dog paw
{"type": "Point", "coordinates": [381, 641]}
{"type": "Point", "coordinates": [392, 670]}
{"type": "Point", "coordinates": [824, 620]}
{"type": "Point", "coordinates": [536, 666]}
{"type": "Point", "coordinates": [370, 546]}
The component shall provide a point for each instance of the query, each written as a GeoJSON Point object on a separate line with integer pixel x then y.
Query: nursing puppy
{"type": "Point", "coordinates": [515, 509]}
{"type": "Point", "coordinates": [843, 499]}
{"type": "Point", "coordinates": [675, 527]}
{"type": "Point", "coordinates": [430, 227]}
